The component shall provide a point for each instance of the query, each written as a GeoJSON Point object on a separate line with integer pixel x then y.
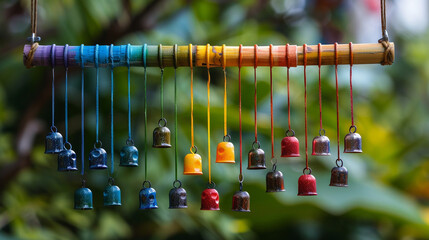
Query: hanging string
{"type": "Point", "coordinates": [288, 89]}
{"type": "Point", "coordinates": [129, 93]}
{"type": "Point", "coordinates": [145, 110]}
{"type": "Point", "coordinates": [208, 107]}
{"type": "Point", "coordinates": [255, 65]}
{"type": "Point", "coordinates": [175, 111]}
{"type": "Point", "coordinates": [192, 97]}
{"type": "Point", "coordinates": [112, 165]}
{"type": "Point", "coordinates": [271, 101]}
{"type": "Point", "coordinates": [34, 18]}
{"type": "Point", "coordinates": [336, 90]}
{"type": "Point", "coordinates": [66, 66]}
{"type": "Point", "coordinates": [305, 103]}
{"type": "Point", "coordinates": [82, 114]}
{"type": "Point", "coordinates": [388, 48]}
{"type": "Point", "coordinates": [224, 92]}
{"type": "Point", "coordinates": [97, 101]}
{"type": "Point", "coordinates": [162, 79]}
{"type": "Point", "coordinates": [53, 128]}
{"type": "Point", "coordinates": [351, 84]}
{"type": "Point", "coordinates": [383, 20]}
{"type": "Point", "coordinates": [319, 50]}
{"type": "Point", "coordinates": [240, 59]}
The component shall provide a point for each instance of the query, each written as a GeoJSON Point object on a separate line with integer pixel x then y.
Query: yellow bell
{"type": "Point", "coordinates": [192, 164]}
{"type": "Point", "coordinates": [225, 152]}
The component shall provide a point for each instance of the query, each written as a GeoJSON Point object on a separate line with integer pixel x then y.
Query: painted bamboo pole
{"type": "Point", "coordinates": [368, 53]}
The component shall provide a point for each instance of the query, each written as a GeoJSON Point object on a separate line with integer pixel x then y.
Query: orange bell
{"type": "Point", "coordinates": [225, 151]}
{"type": "Point", "coordinates": [192, 164]}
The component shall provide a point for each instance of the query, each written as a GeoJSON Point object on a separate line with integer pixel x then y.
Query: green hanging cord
{"type": "Point", "coordinates": [145, 110]}
{"type": "Point", "coordinates": [175, 110]}
{"type": "Point", "coordinates": [162, 79]}
{"type": "Point", "coordinates": [112, 165]}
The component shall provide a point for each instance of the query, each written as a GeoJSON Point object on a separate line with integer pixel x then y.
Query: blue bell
{"type": "Point", "coordinates": [97, 158]}
{"type": "Point", "coordinates": [67, 160]}
{"type": "Point", "coordinates": [147, 197]}
{"type": "Point", "coordinates": [129, 155]}
{"type": "Point", "coordinates": [112, 194]}
{"type": "Point", "coordinates": [83, 198]}
{"type": "Point", "coordinates": [54, 142]}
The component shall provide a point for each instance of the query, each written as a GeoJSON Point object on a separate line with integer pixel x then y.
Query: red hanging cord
{"type": "Point", "coordinates": [271, 101]}
{"type": "Point", "coordinates": [240, 59]}
{"type": "Point", "coordinates": [319, 48]}
{"type": "Point", "coordinates": [288, 91]}
{"type": "Point", "coordinates": [304, 48]}
{"type": "Point", "coordinates": [336, 87]}
{"type": "Point", "coordinates": [255, 65]}
{"type": "Point", "coordinates": [351, 84]}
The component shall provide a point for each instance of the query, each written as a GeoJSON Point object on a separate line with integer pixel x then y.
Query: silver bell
{"type": "Point", "coordinates": [353, 141]}
{"type": "Point", "coordinates": [321, 144]}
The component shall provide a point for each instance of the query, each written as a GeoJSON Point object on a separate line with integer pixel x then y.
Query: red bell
{"type": "Point", "coordinates": [210, 199]}
{"type": "Point", "coordinates": [290, 145]}
{"type": "Point", "coordinates": [307, 184]}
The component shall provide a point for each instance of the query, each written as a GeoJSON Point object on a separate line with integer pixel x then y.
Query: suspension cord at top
{"type": "Point", "coordinates": [225, 104]}
{"type": "Point", "coordinates": [145, 109]}
{"type": "Point", "coordinates": [319, 50]}
{"type": "Point", "coordinates": [175, 112]}
{"type": "Point", "coordinates": [192, 95]}
{"type": "Point", "coordinates": [305, 103]}
{"type": "Point", "coordinates": [111, 110]}
{"type": "Point", "coordinates": [53, 84]}
{"type": "Point", "coordinates": [240, 60]}
{"type": "Point", "coordinates": [97, 97]}
{"type": "Point", "coordinates": [383, 20]}
{"type": "Point", "coordinates": [208, 107]}
{"type": "Point", "coordinates": [162, 78]}
{"type": "Point", "coordinates": [337, 98]}
{"type": "Point", "coordinates": [66, 66]}
{"type": "Point", "coordinates": [129, 91]}
{"type": "Point", "coordinates": [82, 114]}
{"type": "Point", "coordinates": [271, 101]}
{"type": "Point", "coordinates": [255, 65]}
{"type": "Point", "coordinates": [288, 89]}
{"type": "Point", "coordinates": [351, 82]}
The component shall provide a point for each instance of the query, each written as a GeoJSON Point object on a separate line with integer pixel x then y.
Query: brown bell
{"type": "Point", "coordinates": [290, 145]}
{"type": "Point", "coordinates": [353, 141]}
{"type": "Point", "coordinates": [225, 151]}
{"type": "Point", "coordinates": [161, 135]}
{"type": "Point", "coordinates": [307, 184]}
{"type": "Point", "coordinates": [241, 201]}
{"type": "Point", "coordinates": [339, 175]}
{"type": "Point", "coordinates": [210, 199]}
{"type": "Point", "coordinates": [321, 144]}
{"type": "Point", "coordinates": [256, 157]}
{"type": "Point", "coordinates": [275, 182]}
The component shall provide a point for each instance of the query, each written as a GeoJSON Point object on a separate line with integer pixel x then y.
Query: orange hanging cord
{"type": "Point", "coordinates": [271, 101]}
{"type": "Point", "coordinates": [208, 107]}
{"type": "Point", "coordinates": [224, 92]}
{"type": "Point", "coordinates": [337, 98]}
{"type": "Point", "coordinates": [192, 99]}
{"type": "Point", "coordinates": [305, 103]}
{"type": "Point", "coordinates": [255, 65]}
{"type": "Point", "coordinates": [240, 59]}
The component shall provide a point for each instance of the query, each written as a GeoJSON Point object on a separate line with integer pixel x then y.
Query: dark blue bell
{"type": "Point", "coordinates": [98, 158]}
{"type": "Point", "coordinates": [112, 194]}
{"type": "Point", "coordinates": [83, 198]}
{"type": "Point", "coordinates": [67, 160]}
{"type": "Point", "coordinates": [54, 142]}
{"type": "Point", "coordinates": [178, 197]}
{"type": "Point", "coordinates": [129, 155]}
{"type": "Point", "coordinates": [147, 197]}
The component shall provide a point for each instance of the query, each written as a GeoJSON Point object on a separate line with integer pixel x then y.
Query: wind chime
{"type": "Point", "coordinates": [201, 56]}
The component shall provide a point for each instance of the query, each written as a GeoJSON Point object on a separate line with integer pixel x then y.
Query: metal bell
{"type": "Point", "coordinates": [193, 163]}
{"type": "Point", "coordinates": [256, 157]}
{"type": "Point", "coordinates": [275, 181]}
{"type": "Point", "coordinates": [97, 158]}
{"type": "Point", "coordinates": [225, 151]}
{"type": "Point", "coordinates": [321, 145]}
{"type": "Point", "coordinates": [83, 198]}
{"type": "Point", "coordinates": [339, 176]}
{"type": "Point", "coordinates": [353, 141]}
{"type": "Point", "coordinates": [67, 160]}
{"type": "Point", "coordinates": [210, 199]}
{"type": "Point", "coordinates": [177, 196]}
{"type": "Point", "coordinates": [290, 145]}
{"type": "Point", "coordinates": [241, 201]}
{"type": "Point", "coordinates": [147, 197]}
{"type": "Point", "coordinates": [307, 185]}
{"type": "Point", "coordinates": [129, 155]}
{"type": "Point", "coordinates": [112, 194]}
{"type": "Point", "coordinates": [54, 142]}
{"type": "Point", "coordinates": [161, 135]}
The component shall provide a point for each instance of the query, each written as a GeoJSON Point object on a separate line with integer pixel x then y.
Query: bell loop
{"type": "Point", "coordinates": [227, 137]}
{"type": "Point", "coordinates": [177, 181]}
{"type": "Point", "coordinates": [274, 167]}
{"type": "Point", "coordinates": [148, 183]}
{"type": "Point", "coordinates": [211, 185]}
{"type": "Point", "coordinates": [241, 186]}
{"type": "Point", "coordinates": [111, 181]}
{"type": "Point", "coordinates": [308, 169]}
{"type": "Point", "coordinates": [290, 131]}
{"type": "Point", "coordinates": [67, 146]}
{"type": "Point", "coordinates": [130, 142]}
{"type": "Point", "coordinates": [352, 127]}
{"type": "Point", "coordinates": [194, 149]}
{"type": "Point", "coordinates": [98, 144]}
{"type": "Point", "coordinates": [240, 178]}
{"type": "Point", "coordinates": [162, 120]}
{"type": "Point", "coordinates": [83, 183]}
{"type": "Point", "coordinates": [257, 146]}
{"type": "Point", "coordinates": [54, 129]}
{"type": "Point", "coordinates": [274, 161]}
{"type": "Point", "coordinates": [339, 165]}
{"type": "Point", "coordinates": [322, 132]}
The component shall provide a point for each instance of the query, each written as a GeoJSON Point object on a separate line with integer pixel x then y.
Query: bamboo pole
{"type": "Point", "coordinates": [368, 53]}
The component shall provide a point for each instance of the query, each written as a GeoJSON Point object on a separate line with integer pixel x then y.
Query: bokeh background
{"type": "Point", "coordinates": [388, 192]}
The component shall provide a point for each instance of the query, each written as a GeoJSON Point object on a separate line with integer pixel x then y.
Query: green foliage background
{"type": "Point", "coordinates": [387, 197]}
